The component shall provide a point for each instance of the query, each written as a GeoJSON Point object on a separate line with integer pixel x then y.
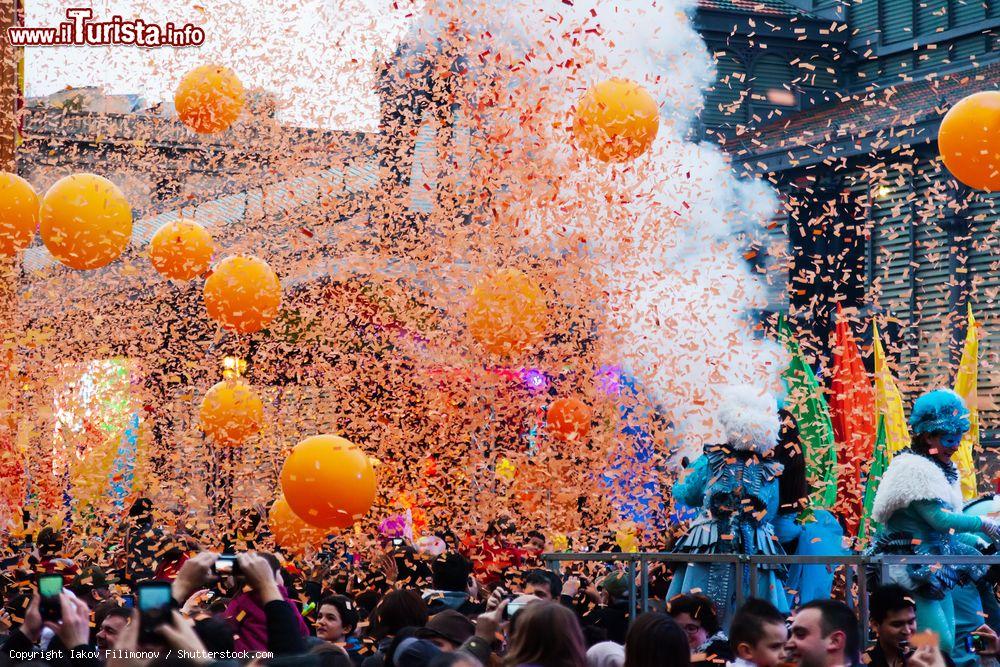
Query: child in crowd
{"type": "Point", "coordinates": [758, 635]}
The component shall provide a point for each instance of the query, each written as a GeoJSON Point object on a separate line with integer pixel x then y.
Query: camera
{"type": "Point", "coordinates": [226, 566]}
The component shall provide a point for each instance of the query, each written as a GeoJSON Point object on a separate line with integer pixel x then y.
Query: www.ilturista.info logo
{"type": "Point", "coordinates": [81, 30]}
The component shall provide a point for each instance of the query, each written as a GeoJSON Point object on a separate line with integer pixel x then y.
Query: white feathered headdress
{"type": "Point", "coordinates": [749, 418]}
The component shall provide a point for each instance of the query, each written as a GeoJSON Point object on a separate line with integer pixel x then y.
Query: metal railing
{"type": "Point", "coordinates": [637, 567]}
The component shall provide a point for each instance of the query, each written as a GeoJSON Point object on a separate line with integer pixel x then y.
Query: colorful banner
{"type": "Point", "coordinates": [852, 409]}
{"type": "Point", "coordinates": [966, 386]}
{"type": "Point", "coordinates": [806, 403]}
{"type": "Point", "coordinates": [888, 401]}
{"type": "Point", "coordinates": [880, 461]}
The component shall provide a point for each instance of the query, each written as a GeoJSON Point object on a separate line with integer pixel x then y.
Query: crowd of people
{"type": "Point", "coordinates": [409, 608]}
{"type": "Point", "coordinates": [161, 596]}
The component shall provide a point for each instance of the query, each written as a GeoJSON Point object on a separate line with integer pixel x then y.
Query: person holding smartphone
{"type": "Point", "coordinates": [893, 618]}
{"type": "Point", "coordinates": [72, 629]}
{"type": "Point", "coordinates": [246, 610]}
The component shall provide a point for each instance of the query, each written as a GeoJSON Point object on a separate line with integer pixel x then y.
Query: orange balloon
{"type": "Point", "coordinates": [289, 530]}
{"type": "Point", "coordinates": [231, 412]}
{"type": "Point", "coordinates": [969, 140]}
{"type": "Point", "coordinates": [243, 294]}
{"type": "Point", "coordinates": [18, 213]}
{"type": "Point", "coordinates": [507, 314]}
{"type": "Point", "coordinates": [85, 221]}
{"type": "Point", "coordinates": [181, 249]}
{"type": "Point", "coordinates": [616, 120]}
{"type": "Point", "coordinates": [209, 98]}
{"type": "Point", "coordinates": [569, 419]}
{"type": "Point", "coordinates": [328, 481]}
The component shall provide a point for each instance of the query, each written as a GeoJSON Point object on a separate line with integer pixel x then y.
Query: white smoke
{"type": "Point", "coordinates": [662, 229]}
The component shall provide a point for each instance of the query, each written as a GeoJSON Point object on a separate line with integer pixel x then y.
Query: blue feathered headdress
{"type": "Point", "coordinates": [939, 411]}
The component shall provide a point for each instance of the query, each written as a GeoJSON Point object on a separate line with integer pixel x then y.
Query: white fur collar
{"type": "Point", "coordinates": [912, 477]}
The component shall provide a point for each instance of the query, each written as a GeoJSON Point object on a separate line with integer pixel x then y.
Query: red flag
{"type": "Point", "coordinates": [852, 409]}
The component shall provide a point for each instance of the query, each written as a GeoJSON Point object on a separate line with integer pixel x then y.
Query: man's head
{"type": "Point", "coordinates": [758, 633]}
{"type": "Point", "coordinates": [543, 584]}
{"type": "Point", "coordinates": [696, 616]}
{"type": "Point", "coordinates": [49, 542]}
{"type": "Point", "coordinates": [824, 634]}
{"type": "Point", "coordinates": [614, 587]}
{"type": "Point", "coordinates": [111, 627]}
{"type": "Point", "coordinates": [91, 586]}
{"type": "Point", "coordinates": [535, 541]}
{"type": "Point", "coordinates": [450, 572]}
{"type": "Point", "coordinates": [893, 615]}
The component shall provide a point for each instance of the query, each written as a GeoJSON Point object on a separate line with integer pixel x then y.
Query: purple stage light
{"type": "Point", "coordinates": [535, 380]}
{"type": "Point", "coordinates": [609, 379]}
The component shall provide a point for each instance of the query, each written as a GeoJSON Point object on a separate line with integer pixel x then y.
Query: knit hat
{"type": "Point", "coordinates": [615, 584]}
{"type": "Point", "coordinates": [606, 654]}
{"type": "Point", "coordinates": [940, 411]}
{"type": "Point", "coordinates": [450, 625]}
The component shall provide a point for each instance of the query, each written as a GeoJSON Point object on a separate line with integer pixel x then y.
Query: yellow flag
{"type": "Point", "coordinates": [966, 386]}
{"type": "Point", "coordinates": [889, 402]}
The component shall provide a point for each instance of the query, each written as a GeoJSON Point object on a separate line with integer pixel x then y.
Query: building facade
{"type": "Point", "coordinates": [837, 103]}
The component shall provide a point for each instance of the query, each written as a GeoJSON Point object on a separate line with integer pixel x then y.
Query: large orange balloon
{"type": "Point", "coordinates": [231, 412]}
{"type": "Point", "coordinates": [209, 98]}
{"type": "Point", "coordinates": [969, 140]}
{"type": "Point", "coordinates": [85, 221]}
{"type": "Point", "coordinates": [507, 313]}
{"type": "Point", "coordinates": [18, 213]}
{"type": "Point", "coordinates": [243, 294]}
{"type": "Point", "coordinates": [569, 419]}
{"type": "Point", "coordinates": [289, 530]}
{"type": "Point", "coordinates": [328, 482]}
{"type": "Point", "coordinates": [181, 249]}
{"type": "Point", "coordinates": [616, 120]}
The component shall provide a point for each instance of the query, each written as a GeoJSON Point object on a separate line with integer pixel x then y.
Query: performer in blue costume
{"type": "Point", "coordinates": [919, 505]}
{"type": "Point", "coordinates": [735, 485]}
{"type": "Point", "coordinates": [801, 529]}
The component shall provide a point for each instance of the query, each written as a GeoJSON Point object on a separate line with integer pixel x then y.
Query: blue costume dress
{"type": "Point", "coordinates": [737, 491]}
{"type": "Point", "coordinates": [813, 533]}
{"type": "Point", "coordinates": [919, 504]}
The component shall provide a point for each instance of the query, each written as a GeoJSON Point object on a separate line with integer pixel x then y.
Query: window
{"type": "Point", "coordinates": [725, 101]}
{"type": "Point", "coordinates": [771, 89]}
{"type": "Point", "coordinates": [819, 80]}
{"type": "Point", "coordinates": [897, 21]}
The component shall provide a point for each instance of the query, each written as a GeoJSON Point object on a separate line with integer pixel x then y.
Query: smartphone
{"type": "Point", "coordinates": [49, 588]}
{"type": "Point", "coordinates": [398, 541]}
{"type": "Point", "coordinates": [154, 609]}
{"type": "Point", "coordinates": [226, 565]}
{"type": "Point", "coordinates": [128, 601]}
{"type": "Point", "coordinates": [974, 643]}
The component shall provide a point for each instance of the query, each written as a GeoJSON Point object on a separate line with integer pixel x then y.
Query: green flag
{"type": "Point", "coordinates": [806, 403]}
{"type": "Point", "coordinates": [880, 461]}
